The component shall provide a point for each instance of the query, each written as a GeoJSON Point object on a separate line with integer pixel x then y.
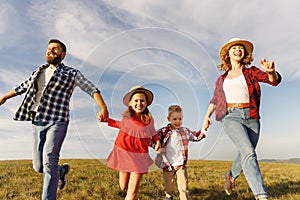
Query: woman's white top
{"type": "Point", "coordinates": [236, 90]}
{"type": "Point", "coordinates": [43, 79]}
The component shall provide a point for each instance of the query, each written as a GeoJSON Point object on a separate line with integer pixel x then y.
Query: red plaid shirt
{"type": "Point", "coordinates": [164, 133]}
{"type": "Point", "coordinates": [253, 76]}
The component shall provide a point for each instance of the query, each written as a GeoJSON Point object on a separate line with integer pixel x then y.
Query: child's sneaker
{"type": "Point", "coordinates": [64, 169]}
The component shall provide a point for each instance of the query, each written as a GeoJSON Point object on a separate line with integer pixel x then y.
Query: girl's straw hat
{"type": "Point", "coordinates": [248, 45]}
{"type": "Point", "coordinates": [138, 89]}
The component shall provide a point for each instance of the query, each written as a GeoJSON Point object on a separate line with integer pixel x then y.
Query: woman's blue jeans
{"type": "Point", "coordinates": [48, 138]}
{"type": "Point", "coordinates": [244, 133]}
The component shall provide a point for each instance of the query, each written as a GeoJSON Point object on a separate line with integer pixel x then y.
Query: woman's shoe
{"type": "Point", "coordinates": [229, 183]}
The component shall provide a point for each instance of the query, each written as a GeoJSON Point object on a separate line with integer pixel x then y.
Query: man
{"type": "Point", "coordinates": [46, 104]}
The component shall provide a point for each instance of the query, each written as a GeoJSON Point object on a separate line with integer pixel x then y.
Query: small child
{"type": "Point", "coordinates": [174, 152]}
{"type": "Point", "coordinates": [130, 154]}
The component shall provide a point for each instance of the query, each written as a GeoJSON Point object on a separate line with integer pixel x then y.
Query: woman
{"type": "Point", "coordinates": [236, 103]}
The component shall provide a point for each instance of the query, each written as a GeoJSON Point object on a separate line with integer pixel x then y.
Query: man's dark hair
{"type": "Point", "coordinates": [63, 46]}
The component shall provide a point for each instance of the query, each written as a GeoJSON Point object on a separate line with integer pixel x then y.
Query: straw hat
{"type": "Point", "coordinates": [138, 89]}
{"type": "Point", "coordinates": [234, 41]}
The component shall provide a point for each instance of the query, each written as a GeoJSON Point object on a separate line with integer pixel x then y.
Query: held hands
{"type": "Point", "coordinates": [267, 65]}
{"type": "Point", "coordinates": [202, 134]}
{"type": "Point", "coordinates": [102, 115]}
{"type": "Point", "coordinates": [206, 123]}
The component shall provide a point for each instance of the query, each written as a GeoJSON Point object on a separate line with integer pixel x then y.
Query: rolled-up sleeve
{"type": "Point", "coordinates": [262, 76]}
{"type": "Point", "coordinates": [23, 87]}
{"type": "Point", "coordinates": [85, 85]}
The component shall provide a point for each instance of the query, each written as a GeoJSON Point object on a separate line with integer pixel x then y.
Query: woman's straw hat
{"type": "Point", "coordinates": [138, 89]}
{"type": "Point", "coordinates": [234, 41]}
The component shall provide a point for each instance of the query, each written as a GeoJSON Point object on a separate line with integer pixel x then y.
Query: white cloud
{"type": "Point", "coordinates": [83, 26]}
{"type": "Point", "coordinates": [10, 25]}
{"type": "Point", "coordinates": [213, 23]}
{"type": "Point", "coordinates": [12, 76]}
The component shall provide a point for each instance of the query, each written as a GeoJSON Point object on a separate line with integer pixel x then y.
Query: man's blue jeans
{"type": "Point", "coordinates": [48, 138]}
{"type": "Point", "coordinates": [244, 133]}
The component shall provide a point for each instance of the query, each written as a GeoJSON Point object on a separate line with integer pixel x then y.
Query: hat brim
{"type": "Point", "coordinates": [148, 93]}
{"type": "Point", "coordinates": [248, 45]}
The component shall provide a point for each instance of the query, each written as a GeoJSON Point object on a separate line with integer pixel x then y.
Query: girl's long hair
{"type": "Point", "coordinates": [225, 59]}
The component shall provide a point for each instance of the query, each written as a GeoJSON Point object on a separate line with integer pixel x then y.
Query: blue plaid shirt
{"type": "Point", "coordinates": [54, 104]}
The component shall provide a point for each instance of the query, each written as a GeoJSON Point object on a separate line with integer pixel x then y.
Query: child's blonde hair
{"type": "Point", "coordinates": [174, 108]}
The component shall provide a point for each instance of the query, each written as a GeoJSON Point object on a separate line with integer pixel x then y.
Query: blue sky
{"type": "Point", "coordinates": [170, 46]}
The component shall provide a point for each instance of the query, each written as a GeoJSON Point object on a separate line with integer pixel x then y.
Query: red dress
{"type": "Point", "coordinates": [130, 152]}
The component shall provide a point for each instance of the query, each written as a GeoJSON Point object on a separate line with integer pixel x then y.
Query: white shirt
{"type": "Point", "coordinates": [236, 90]}
{"type": "Point", "coordinates": [174, 149]}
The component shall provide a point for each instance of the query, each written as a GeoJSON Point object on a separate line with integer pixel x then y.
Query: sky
{"type": "Point", "coordinates": [171, 47]}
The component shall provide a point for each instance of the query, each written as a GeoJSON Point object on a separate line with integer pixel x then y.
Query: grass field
{"type": "Point", "coordinates": [92, 180]}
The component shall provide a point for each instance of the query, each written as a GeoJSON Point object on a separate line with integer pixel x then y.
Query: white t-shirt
{"type": "Point", "coordinates": [236, 90]}
{"type": "Point", "coordinates": [42, 80]}
{"type": "Point", "coordinates": [174, 149]}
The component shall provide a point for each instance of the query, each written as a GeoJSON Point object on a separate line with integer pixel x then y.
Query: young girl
{"type": "Point", "coordinates": [130, 153]}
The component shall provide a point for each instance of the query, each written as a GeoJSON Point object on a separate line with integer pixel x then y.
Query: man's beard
{"type": "Point", "coordinates": [54, 60]}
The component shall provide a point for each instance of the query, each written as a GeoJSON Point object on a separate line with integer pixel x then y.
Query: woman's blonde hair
{"type": "Point", "coordinates": [225, 59]}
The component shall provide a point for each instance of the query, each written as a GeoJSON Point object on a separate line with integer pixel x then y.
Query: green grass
{"type": "Point", "coordinates": [92, 180]}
